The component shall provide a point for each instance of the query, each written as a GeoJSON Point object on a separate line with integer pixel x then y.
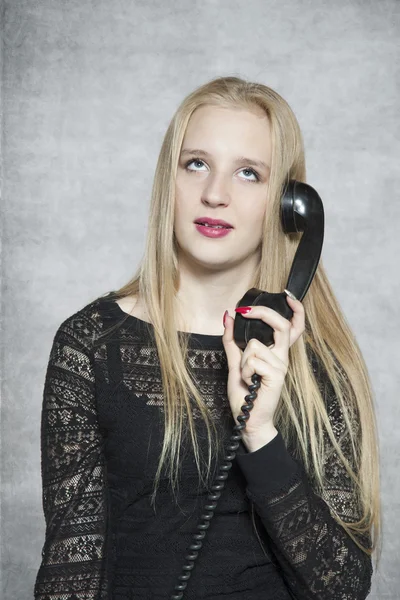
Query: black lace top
{"type": "Point", "coordinates": [101, 434]}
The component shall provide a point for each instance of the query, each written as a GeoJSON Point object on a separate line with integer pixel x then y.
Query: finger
{"type": "Point", "coordinates": [257, 349]}
{"type": "Point", "coordinates": [262, 368]}
{"type": "Point", "coordinates": [279, 324]}
{"type": "Point", "coordinates": [232, 350]}
{"type": "Point", "coordinates": [298, 319]}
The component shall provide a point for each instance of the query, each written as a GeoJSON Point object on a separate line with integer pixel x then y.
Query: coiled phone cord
{"type": "Point", "coordinates": [216, 489]}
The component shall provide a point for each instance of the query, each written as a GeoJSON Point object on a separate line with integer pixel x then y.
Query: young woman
{"type": "Point", "coordinates": [144, 385]}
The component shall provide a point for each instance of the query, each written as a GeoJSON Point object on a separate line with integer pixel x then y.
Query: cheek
{"type": "Point", "coordinates": [180, 211]}
{"type": "Point", "coordinates": [181, 188]}
{"type": "Point", "coordinates": [252, 216]}
{"type": "Point", "coordinates": [179, 207]}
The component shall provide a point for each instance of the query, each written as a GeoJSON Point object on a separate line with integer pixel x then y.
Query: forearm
{"type": "Point", "coordinates": [317, 556]}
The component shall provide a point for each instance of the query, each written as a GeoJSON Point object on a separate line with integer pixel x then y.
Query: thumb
{"type": "Point", "coordinates": [232, 350]}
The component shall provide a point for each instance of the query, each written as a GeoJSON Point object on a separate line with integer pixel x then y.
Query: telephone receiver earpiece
{"type": "Point", "coordinates": [301, 210]}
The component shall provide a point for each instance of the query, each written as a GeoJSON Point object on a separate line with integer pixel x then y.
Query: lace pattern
{"type": "Point", "coordinates": [315, 556]}
{"type": "Point", "coordinates": [73, 474]}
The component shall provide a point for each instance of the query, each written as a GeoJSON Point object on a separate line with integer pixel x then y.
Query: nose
{"type": "Point", "coordinates": [216, 191]}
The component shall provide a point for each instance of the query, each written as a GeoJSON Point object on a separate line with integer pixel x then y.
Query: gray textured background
{"type": "Point", "coordinates": [88, 88]}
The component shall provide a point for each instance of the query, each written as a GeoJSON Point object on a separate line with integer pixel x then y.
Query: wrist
{"type": "Point", "coordinates": [257, 439]}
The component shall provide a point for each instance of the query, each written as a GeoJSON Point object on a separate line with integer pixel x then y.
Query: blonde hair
{"type": "Point", "coordinates": [301, 415]}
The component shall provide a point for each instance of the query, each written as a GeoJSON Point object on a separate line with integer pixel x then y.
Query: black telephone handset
{"type": "Point", "coordinates": [301, 210]}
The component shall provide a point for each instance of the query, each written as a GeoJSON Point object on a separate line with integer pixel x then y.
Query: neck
{"type": "Point", "coordinates": [203, 297]}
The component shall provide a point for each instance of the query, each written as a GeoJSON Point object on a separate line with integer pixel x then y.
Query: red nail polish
{"type": "Point", "coordinates": [224, 317]}
{"type": "Point", "coordinates": [243, 310]}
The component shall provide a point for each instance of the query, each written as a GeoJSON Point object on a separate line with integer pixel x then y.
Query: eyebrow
{"type": "Point", "coordinates": [238, 159]}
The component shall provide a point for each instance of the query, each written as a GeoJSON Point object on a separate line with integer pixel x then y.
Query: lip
{"type": "Point", "coordinates": [213, 222]}
{"type": "Point", "coordinates": [211, 232]}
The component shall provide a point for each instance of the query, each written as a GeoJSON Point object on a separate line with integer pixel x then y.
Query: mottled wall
{"type": "Point", "coordinates": [88, 90]}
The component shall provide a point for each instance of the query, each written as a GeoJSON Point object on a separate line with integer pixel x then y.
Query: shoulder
{"type": "Point", "coordinates": [84, 326]}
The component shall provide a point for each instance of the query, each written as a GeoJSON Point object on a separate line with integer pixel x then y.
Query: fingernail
{"type": "Point", "coordinates": [224, 317]}
{"type": "Point", "coordinates": [243, 310]}
{"type": "Point", "coordinates": [292, 296]}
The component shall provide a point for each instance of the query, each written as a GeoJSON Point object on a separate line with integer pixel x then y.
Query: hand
{"type": "Point", "coordinates": [271, 363]}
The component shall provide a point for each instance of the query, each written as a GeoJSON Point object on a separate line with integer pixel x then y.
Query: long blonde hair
{"type": "Point", "coordinates": [302, 415]}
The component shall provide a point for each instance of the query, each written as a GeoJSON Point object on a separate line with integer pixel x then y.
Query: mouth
{"type": "Point", "coordinates": [213, 231]}
{"type": "Point", "coordinates": [217, 225]}
{"type": "Point", "coordinates": [212, 226]}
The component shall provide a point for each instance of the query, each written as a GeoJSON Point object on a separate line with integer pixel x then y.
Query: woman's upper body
{"type": "Point", "coordinates": [101, 439]}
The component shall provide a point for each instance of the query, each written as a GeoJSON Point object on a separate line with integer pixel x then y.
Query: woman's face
{"type": "Point", "coordinates": [223, 173]}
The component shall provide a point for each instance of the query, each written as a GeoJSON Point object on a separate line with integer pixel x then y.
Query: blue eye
{"type": "Point", "coordinates": [198, 160]}
{"type": "Point", "coordinates": [253, 173]}
{"type": "Point", "coordinates": [194, 160]}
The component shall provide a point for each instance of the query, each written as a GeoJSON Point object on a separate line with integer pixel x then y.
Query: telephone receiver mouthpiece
{"type": "Point", "coordinates": [301, 211]}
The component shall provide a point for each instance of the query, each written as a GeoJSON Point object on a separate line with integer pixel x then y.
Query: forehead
{"type": "Point", "coordinates": [224, 115]}
{"type": "Point", "coordinates": [229, 130]}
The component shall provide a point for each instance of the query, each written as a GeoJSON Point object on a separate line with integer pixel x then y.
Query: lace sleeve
{"type": "Point", "coordinates": [318, 559]}
{"type": "Point", "coordinates": [74, 496]}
